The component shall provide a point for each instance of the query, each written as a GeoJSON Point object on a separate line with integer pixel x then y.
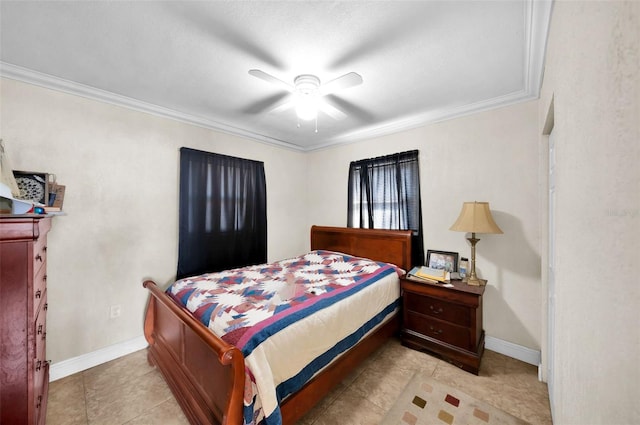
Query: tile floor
{"type": "Point", "coordinates": [129, 391]}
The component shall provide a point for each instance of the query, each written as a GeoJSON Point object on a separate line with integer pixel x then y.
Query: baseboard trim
{"type": "Point", "coordinates": [519, 352]}
{"type": "Point", "coordinates": [86, 361]}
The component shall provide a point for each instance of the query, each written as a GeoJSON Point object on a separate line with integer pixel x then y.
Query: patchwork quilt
{"type": "Point", "coordinates": [291, 318]}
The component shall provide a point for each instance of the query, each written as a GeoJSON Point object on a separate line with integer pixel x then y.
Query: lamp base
{"type": "Point", "coordinates": [474, 282]}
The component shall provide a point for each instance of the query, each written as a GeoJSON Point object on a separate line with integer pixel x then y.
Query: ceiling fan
{"type": "Point", "coordinates": [306, 94]}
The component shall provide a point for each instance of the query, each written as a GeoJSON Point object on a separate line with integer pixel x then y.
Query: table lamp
{"type": "Point", "coordinates": [475, 217]}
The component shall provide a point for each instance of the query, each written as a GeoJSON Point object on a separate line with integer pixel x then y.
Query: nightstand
{"type": "Point", "coordinates": [446, 320]}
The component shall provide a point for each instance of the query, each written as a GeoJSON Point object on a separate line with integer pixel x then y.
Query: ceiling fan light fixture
{"type": "Point", "coordinates": [307, 96]}
{"type": "Point", "coordinates": [306, 107]}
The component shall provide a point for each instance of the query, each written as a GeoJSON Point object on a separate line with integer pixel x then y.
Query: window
{"type": "Point", "coordinates": [384, 193]}
{"type": "Point", "coordinates": [223, 216]}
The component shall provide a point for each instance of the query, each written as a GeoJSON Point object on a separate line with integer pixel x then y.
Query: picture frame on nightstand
{"type": "Point", "coordinates": [442, 260]}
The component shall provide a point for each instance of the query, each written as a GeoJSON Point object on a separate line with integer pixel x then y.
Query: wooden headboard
{"type": "Point", "coordinates": [390, 246]}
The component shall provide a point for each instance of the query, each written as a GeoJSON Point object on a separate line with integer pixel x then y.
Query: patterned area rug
{"type": "Point", "coordinates": [425, 401]}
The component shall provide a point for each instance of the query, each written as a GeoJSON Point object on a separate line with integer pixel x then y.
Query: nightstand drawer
{"type": "Point", "coordinates": [442, 310]}
{"type": "Point", "coordinates": [444, 319]}
{"type": "Point", "coordinates": [442, 331]}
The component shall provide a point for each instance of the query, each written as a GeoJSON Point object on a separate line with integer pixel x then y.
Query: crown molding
{"type": "Point", "coordinates": [537, 18]}
{"type": "Point", "coordinates": [47, 81]}
{"type": "Point", "coordinates": [537, 22]}
{"type": "Point", "coordinates": [431, 117]}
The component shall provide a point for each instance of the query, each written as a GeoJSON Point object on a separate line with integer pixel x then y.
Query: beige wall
{"type": "Point", "coordinates": [592, 74]}
{"type": "Point", "coordinates": [120, 168]}
{"type": "Point", "coordinates": [490, 156]}
{"type": "Point", "coordinates": [121, 171]}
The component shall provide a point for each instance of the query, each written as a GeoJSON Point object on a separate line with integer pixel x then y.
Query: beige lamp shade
{"type": "Point", "coordinates": [475, 217]}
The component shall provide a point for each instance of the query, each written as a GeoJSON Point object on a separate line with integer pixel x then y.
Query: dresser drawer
{"type": "Point", "coordinates": [39, 253]}
{"type": "Point", "coordinates": [442, 310]}
{"type": "Point", "coordinates": [40, 383]}
{"type": "Point", "coordinates": [442, 331]}
{"type": "Point", "coordinates": [40, 330]}
{"type": "Point", "coordinates": [39, 288]}
{"type": "Point", "coordinates": [24, 370]}
{"type": "Point", "coordinates": [40, 394]}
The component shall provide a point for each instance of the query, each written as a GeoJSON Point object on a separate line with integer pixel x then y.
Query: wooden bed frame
{"type": "Point", "coordinates": [206, 375]}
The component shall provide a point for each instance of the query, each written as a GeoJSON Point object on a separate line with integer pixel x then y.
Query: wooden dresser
{"type": "Point", "coordinates": [24, 372]}
{"type": "Point", "coordinates": [444, 320]}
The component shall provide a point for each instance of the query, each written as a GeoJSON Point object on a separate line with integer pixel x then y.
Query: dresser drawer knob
{"type": "Point", "coordinates": [38, 257]}
{"type": "Point", "coordinates": [39, 402]}
{"type": "Point", "coordinates": [38, 293]}
{"type": "Point", "coordinates": [39, 329]}
{"type": "Point", "coordinates": [38, 365]}
{"type": "Point", "coordinates": [434, 310]}
{"type": "Point", "coordinates": [46, 306]}
{"type": "Point", "coordinates": [435, 331]}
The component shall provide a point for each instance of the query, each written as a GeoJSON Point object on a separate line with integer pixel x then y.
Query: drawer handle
{"type": "Point", "coordinates": [44, 248]}
{"type": "Point", "coordinates": [39, 402]}
{"type": "Point", "coordinates": [39, 329]}
{"type": "Point", "coordinates": [46, 306]}
{"type": "Point", "coordinates": [435, 331]}
{"type": "Point", "coordinates": [434, 311]}
{"type": "Point", "coordinates": [38, 257]}
{"type": "Point", "coordinates": [38, 293]}
{"type": "Point", "coordinates": [39, 365]}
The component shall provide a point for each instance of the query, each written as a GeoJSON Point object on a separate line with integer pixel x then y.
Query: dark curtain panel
{"type": "Point", "coordinates": [223, 213]}
{"type": "Point", "coordinates": [384, 193]}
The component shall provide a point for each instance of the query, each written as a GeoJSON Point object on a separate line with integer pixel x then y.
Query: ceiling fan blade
{"type": "Point", "coordinates": [355, 112]}
{"type": "Point", "coordinates": [332, 111]}
{"type": "Point", "coordinates": [346, 81]}
{"type": "Point", "coordinates": [283, 104]}
{"type": "Point", "coordinates": [265, 104]}
{"type": "Point", "coordinates": [270, 79]}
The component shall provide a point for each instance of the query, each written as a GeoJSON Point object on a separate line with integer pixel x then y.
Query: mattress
{"type": "Point", "coordinates": [291, 318]}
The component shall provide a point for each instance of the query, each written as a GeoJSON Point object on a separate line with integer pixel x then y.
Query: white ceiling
{"type": "Point", "coordinates": [421, 61]}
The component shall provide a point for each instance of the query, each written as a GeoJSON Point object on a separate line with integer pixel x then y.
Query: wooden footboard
{"type": "Point", "coordinates": [206, 375]}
